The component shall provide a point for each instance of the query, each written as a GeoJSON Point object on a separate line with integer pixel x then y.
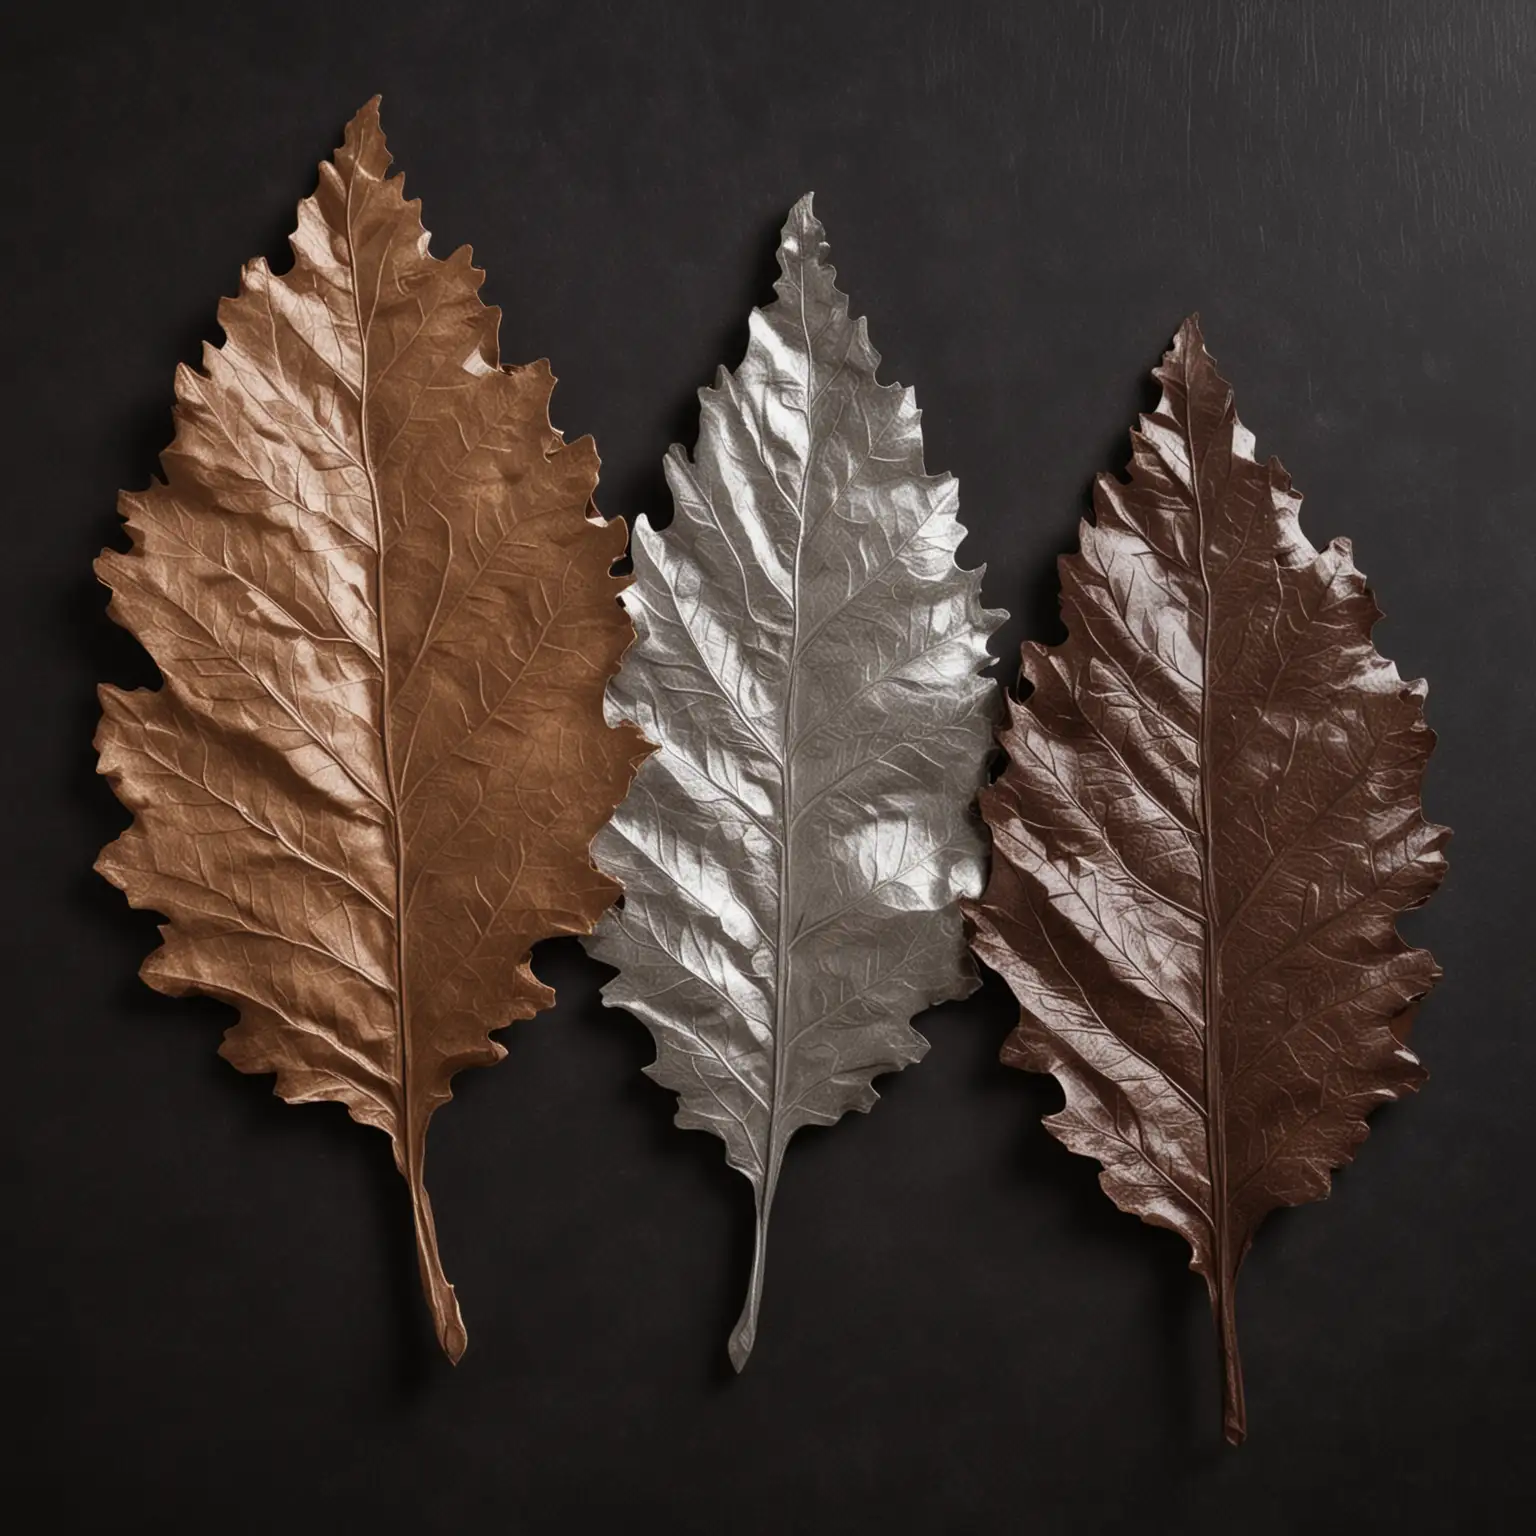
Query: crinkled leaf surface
{"type": "Point", "coordinates": [807, 657]}
{"type": "Point", "coordinates": [381, 601]}
{"type": "Point", "coordinates": [1208, 824]}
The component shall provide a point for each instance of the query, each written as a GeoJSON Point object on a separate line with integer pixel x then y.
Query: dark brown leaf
{"type": "Point", "coordinates": [381, 601]}
{"type": "Point", "coordinates": [1207, 827]}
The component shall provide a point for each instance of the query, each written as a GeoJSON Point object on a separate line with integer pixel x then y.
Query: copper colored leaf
{"type": "Point", "coordinates": [1208, 824]}
{"type": "Point", "coordinates": [381, 601]}
{"type": "Point", "coordinates": [807, 656]}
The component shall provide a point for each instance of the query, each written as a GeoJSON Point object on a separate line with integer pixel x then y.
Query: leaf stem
{"type": "Point", "coordinates": [1234, 1410]}
{"type": "Point", "coordinates": [446, 1318]}
{"type": "Point", "coordinates": [744, 1334]}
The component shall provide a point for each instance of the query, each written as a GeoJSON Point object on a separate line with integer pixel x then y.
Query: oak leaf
{"type": "Point", "coordinates": [382, 604]}
{"type": "Point", "coordinates": [807, 656]}
{"type": "Point", "coordinates": [1208, 824]}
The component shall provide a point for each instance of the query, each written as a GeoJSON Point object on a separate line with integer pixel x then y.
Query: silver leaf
{"type": "Point", "coordinates": [807, 658]}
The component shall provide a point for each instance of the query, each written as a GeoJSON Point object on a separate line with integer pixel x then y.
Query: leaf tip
{"type": "Point", "coordinates": [803, 235]}
{"type": "Point", "coordinates": [1188, 346]}
{"type": "Point", "coordinates": [363, 146]}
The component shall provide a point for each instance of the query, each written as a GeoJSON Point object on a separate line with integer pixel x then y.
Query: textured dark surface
{"type": "Point", "coordinates": [199, 1333]}
{"type": "Point", "coordinates": [1206, 829]}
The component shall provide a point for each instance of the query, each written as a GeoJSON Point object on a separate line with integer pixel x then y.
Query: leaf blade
{"type": "Point", "coordinates": [1207, 827]}
{"type": "Point", "coordinates": [382, 605]}
{"type": "Point", "coordinates": [807, 656]}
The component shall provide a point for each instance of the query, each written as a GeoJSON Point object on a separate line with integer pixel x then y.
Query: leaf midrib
{"type": "Point", "coordinates": [784, 959]}
{"type": "Point", "coordinates": [1215, 1124]}
{"type": "Point", "coordinates": [392, 789]}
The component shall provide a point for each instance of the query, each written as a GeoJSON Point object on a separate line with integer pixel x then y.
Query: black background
{"type": "Point", "coordinates": [213, 1321]}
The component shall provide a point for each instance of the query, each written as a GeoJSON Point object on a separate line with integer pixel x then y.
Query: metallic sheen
{"type": "Point", "coordinates": [383, 606]}
{"type": "Point", "coordinates": [1207, 828]}
{"type": "Point", "coordinates": [807, 657]}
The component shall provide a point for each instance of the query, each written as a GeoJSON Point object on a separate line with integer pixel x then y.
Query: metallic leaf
{"type": "Point", "coordinates": [807, 657]}
{"type": "Point", "coordinates": [382, 603]}
{"type": "Point", "coordinates": [1208, 825]}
